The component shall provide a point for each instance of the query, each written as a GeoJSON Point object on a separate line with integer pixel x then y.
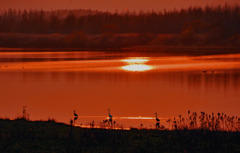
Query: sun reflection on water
{"type": "Point", "coordinates": [135, 60]}
{"type": "Point", "coordinates": [136, 64]}
{"type": "Point", "coordinates": [137, 67]}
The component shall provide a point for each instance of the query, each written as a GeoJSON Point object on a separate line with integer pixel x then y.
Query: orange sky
{"type": "Point", "coordinates": [109, 5]}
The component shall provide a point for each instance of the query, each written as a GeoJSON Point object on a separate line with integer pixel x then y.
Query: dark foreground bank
{"type": "Point", "coordinates": [50, 137]}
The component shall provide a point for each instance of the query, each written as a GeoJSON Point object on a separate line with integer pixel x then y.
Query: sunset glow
{"type": "Point", "coordinates": [106, 5]}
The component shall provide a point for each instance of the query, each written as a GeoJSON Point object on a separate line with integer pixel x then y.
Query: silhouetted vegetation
{"type": "Point", "coordinates": [205, 121]}
{"type": "Point", "coordinates": [47, 136]}
{"type": "Point", "coordinates": [195, 26]}
{"type": "Point", "coordinates": [24, 115]}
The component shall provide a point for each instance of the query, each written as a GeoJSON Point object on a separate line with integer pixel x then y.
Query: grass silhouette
{"type": "Point", "coordinates": [196, 133]}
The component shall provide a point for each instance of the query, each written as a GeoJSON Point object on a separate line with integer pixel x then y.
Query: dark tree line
{"type": "Point", "coordinates": [215, 25]}
{"type": "Point", "coordinates": [170, 22]}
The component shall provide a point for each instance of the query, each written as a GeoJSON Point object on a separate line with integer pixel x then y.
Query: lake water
{"type": "Point", "coordinates": [53, 84]}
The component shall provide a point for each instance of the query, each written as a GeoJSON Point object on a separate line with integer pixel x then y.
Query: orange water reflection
{"type": "Point", "coordinates": [171, 86]}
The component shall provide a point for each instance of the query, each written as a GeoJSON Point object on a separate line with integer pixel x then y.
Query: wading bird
{"type": "Point", "coordinates": [110, 116]}
{"type": "Point", "coordinates": [75, 116]}
{"type": "Point", "coordinates": [158, 121]}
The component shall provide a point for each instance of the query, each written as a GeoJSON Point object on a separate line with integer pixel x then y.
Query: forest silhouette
{"type": "Point", "coordinates": [195, 26]}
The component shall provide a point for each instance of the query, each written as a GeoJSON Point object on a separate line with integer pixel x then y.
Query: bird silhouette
{"type": "Point", "coordinates": [110, 116]}
{"type": "Point", "coordinates": [158, 121]}
{"type": "Point", "coordinates": [75, 116]}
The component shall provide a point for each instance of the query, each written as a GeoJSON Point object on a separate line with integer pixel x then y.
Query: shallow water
{"type": "Point", "coordinates": [53, 84]}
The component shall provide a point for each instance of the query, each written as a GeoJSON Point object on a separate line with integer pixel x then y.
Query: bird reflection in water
{"type": "Point", "coordinates": [136, 64]}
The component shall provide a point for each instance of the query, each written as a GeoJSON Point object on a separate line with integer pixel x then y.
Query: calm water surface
{"type": "Point", "coordinates": [53, 84]}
